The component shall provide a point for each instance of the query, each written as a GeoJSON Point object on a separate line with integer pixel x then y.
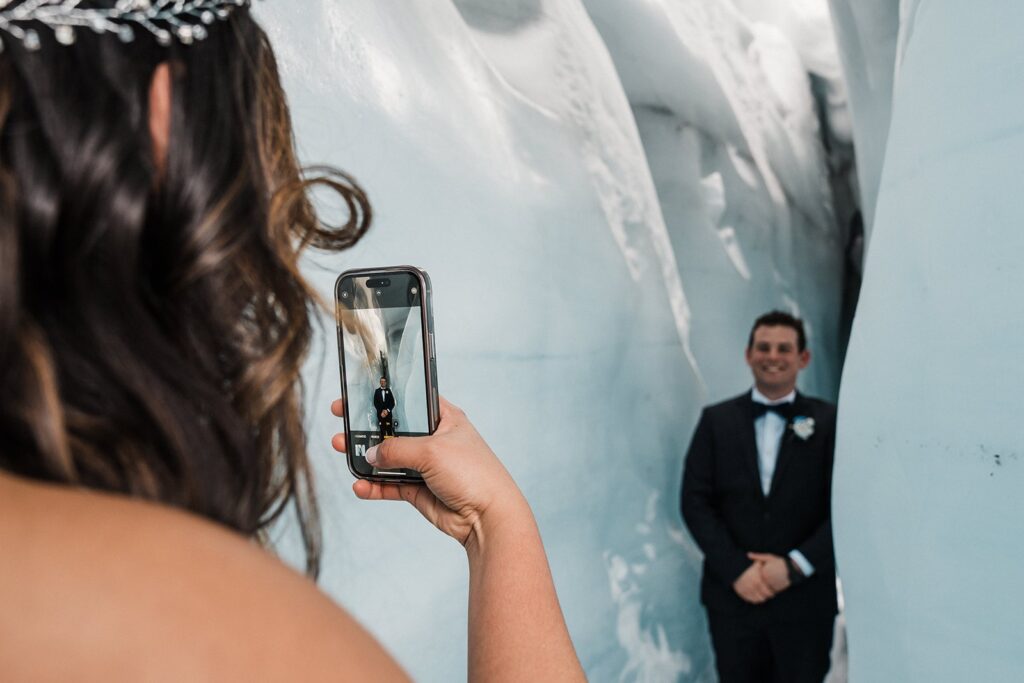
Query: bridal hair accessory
{"type": "Point", "coordinates": [167, 20]}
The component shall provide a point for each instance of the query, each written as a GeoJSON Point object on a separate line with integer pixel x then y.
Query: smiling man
{"type": "Point", "coordinates": [384, 402]}
{"type": "Point", "coordinates": [756, 497]}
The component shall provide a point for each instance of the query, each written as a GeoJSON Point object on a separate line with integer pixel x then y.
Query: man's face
{"type": "Point", "coordinates": [383, 383]}
{"type": "Point", "coordinates": [776, 360]}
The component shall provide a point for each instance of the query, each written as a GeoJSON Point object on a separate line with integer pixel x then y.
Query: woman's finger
{"type": "Point", "coordinates": [338, 442]}
{"type": "Point", "coordinates": [418, 496]}
{"type": "Point", "coordinates": [338, 407]}
{"type": "Point", "coordinates": [371, 490]}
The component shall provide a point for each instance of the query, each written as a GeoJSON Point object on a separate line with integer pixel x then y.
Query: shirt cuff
{"type": "Point", "coordinates": [806, 567]}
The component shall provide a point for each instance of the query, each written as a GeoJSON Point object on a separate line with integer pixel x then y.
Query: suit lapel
{"type": "Point", "coordinates": [787, 443]}
{"type": "Point", "coordinates": [748, 440]}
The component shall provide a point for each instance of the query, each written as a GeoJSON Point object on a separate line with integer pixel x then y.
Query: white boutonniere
{"type": "Point", "coordinates": [803, 427]}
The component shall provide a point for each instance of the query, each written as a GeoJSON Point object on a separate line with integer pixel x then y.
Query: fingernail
{"type": "Point", "coordinates": [371, 455]}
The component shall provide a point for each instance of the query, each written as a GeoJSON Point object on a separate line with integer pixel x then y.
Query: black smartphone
{"type": "Point", "coordinates": [387, 361]}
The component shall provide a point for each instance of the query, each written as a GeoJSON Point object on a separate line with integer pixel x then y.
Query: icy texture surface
{"type": "Point", "coordinates": [728, 123]}
{"type": "Point", "coordinates": [929, 465]}
{"type": "Point", "coordinates": [517, 151]}
{"type": "Point", "coordinates": [867, 32]}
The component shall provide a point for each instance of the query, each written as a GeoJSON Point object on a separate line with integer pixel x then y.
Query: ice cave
{"type": "Point", "coordinates": [606, 193]}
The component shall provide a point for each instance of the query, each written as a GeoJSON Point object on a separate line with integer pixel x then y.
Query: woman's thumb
{"type": "Point", "coordinates": [397, 452]}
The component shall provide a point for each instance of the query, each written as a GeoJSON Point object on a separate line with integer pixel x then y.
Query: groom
{"type": "Point", "coordinates": [384, 402]}
{"type": "Point", "coordinates": [756, 490]}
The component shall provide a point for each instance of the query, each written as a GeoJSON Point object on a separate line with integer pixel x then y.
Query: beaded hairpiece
{"type": "Point", "coordinates": [184, 20]}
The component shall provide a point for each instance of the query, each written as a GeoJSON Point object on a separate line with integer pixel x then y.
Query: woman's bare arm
{"type": "Point", "coordinates": [516, 628]}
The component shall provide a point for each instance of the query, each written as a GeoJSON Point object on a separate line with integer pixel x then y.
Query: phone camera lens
{"type": "Point", "coordinates": [413, 290]}
{"type": "Point", "coordinates": [344, 295]}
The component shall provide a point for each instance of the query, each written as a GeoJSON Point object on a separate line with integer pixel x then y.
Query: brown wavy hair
{"type": "Point", "coordinates": [153, 320]}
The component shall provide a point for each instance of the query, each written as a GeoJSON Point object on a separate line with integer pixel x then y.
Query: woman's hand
{"type": "Point", "coordinates": [516, 628]}
{"type": "Point", "coordinates": [466, 484]}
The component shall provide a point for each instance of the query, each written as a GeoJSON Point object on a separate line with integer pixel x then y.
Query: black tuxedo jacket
{"type": "Point", "coordinates": [729, 515]}
{"type": "Point", "coordinates": [383, 398]}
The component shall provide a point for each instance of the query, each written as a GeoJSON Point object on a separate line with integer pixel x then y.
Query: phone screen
{"type": "Point", "coordinates": [385, 360]}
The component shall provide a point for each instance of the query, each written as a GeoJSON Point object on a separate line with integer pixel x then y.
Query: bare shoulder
{"type": "Point", "coordinates": [99, 587]}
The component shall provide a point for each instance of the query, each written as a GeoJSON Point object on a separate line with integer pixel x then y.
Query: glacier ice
{"type": "Point", "coordinates": [605, 194]}
{"type": "Point", "coordinates": [867, 33]}
{"type": "Point", "coordinates": [928, 477]}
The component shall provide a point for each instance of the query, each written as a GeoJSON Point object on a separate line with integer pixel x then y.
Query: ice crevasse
{"type": "Point", "coordinates": [605, 194]}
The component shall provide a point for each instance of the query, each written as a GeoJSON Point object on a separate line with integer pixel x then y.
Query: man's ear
{"type": "Point", "coordinates": [160, 114]}
{"type": "Point", "coordinates": [805, 358]}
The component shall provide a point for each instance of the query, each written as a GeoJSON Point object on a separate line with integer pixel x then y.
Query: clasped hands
{"type": "Point", "coordinates": [764, 579]}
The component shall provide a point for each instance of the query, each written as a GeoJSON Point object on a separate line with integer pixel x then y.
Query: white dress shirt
{"type": "Point", "coordinates": [768, 431]}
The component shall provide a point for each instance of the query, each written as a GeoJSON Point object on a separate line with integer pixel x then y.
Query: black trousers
{"type": "Point", "coordinates": [757, 649]}
{"type": "Point", "coordinates": [387, 426]}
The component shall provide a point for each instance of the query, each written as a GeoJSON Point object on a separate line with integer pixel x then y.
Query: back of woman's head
{"type": "Point", "coordinates": [152, 316]}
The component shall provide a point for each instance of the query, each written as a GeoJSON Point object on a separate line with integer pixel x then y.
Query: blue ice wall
{"type": "Point", "coordinates": [930, 466]}
{"type": "Point", "coordinates": [725, 112]}
{"type": "Point", "coordinates": [511, 150]}
{"type": "Point", "coordinates": [867, 32]}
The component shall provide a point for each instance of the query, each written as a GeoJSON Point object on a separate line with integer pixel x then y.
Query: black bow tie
{"type": "Point", "coordinates": [783, 410]}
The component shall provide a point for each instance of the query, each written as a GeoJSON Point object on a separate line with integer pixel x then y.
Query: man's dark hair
{"type": "Point", "coordinates": [777, 318]}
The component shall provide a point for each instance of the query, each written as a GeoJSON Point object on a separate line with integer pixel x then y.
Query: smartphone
{"type": "Point", "coordinates": [388, 367]}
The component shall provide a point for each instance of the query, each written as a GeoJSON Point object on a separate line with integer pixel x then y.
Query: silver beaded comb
{"type": "Point", "coordinates": [167, 20]}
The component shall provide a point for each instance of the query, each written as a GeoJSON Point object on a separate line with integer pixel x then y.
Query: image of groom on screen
{"type": "Point", "coordinates": [384, 402]}
{"type": "Point", "coordinates": [756, 498]}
